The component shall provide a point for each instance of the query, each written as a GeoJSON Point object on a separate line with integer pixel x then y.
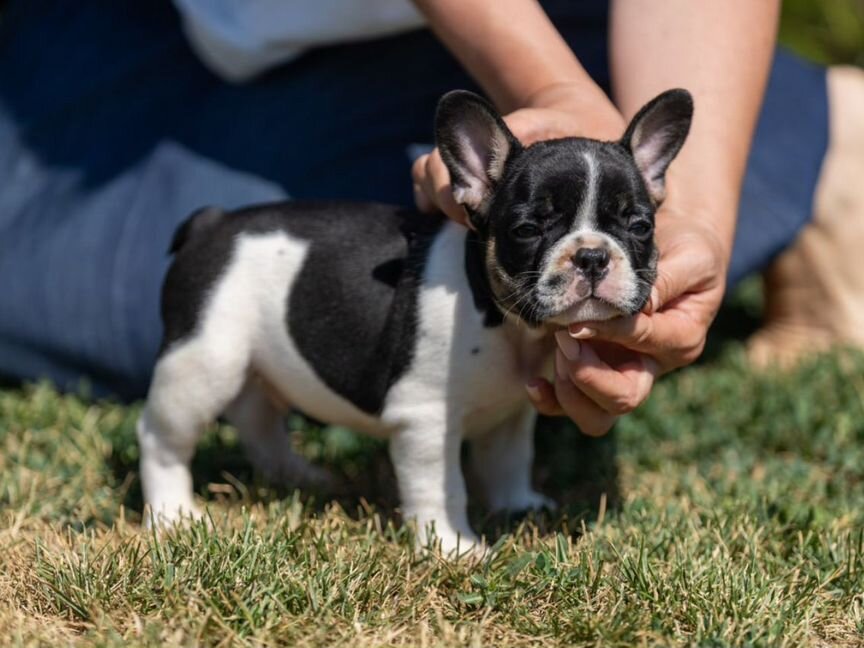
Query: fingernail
{"type": "Point", "coordinates": [533, 390]}
{"type": "Point", "coordinates": [582, 333]}
{"type": "Point", "coordinates": [569, 347]}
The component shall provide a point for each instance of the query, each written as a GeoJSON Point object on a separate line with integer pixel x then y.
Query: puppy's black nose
{"type": "Point", "coordinates": [592, 262]}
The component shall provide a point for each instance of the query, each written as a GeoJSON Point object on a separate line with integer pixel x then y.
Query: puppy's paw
{"type": "Point", "coordinates": [449, 542]}
{"type": "Point", "coordinates": [453, 545]}
{"type": "Point", "coordinates": [170, 516]}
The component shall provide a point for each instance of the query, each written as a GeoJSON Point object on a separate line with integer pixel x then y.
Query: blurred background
{"type": "Point", "coordinates": [827, 31]}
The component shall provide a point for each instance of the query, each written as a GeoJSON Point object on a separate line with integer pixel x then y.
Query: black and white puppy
{"type": "Point", "coordinates": [407, 326]}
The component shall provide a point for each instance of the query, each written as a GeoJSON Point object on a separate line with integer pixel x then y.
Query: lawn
{"type": "Point", "coordinates": [728, 510]}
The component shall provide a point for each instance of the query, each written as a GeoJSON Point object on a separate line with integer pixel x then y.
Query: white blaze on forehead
{"type": "Point", "coordinates": [618, 287]}
{"type": "Point", "coordinates": [586, 217]}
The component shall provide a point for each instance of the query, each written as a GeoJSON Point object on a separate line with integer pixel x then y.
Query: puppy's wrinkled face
{"type": "Point", "coordinates": [570, 234]}
{"type": "Point", "coordinates": [568, 224]}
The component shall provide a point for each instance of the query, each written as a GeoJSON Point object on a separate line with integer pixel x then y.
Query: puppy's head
{"type": "Point", "coordinates": [567, 224]}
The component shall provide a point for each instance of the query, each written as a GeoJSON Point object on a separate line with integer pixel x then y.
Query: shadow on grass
{"type": "Point", "coordinates": [579, 472]}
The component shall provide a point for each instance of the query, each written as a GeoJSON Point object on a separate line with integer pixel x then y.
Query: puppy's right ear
{"type": "Point", "coordinates": [475, 144]}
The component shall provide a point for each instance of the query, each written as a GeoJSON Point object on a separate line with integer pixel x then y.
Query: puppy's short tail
{"type": "Point", "coordinates": [200, 220]}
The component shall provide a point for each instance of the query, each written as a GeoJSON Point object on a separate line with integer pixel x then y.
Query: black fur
{"type": "Point", "coordinates": [353, 307]}
{"type": "Point", "coordinates": [199, 221]}
{"type": "Point", "coordinates": [545, 186]}
{"type": "Point", "coordinates": [199, 261]}
{"type": "Point", "coordinates": [532, 195]}
{"type": "Point", "coordinates": [478, 280]}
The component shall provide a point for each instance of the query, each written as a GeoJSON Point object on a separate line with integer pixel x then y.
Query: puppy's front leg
{"type": "Point", "coordinates": [502, 460]}
{"type": "Point", "coordinates": [425, 456]}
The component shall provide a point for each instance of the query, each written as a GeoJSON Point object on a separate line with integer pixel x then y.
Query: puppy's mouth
{"type": "Point", "coordinates": [587, 301]}
{"type": "Point", "coordinates": [588, 277]}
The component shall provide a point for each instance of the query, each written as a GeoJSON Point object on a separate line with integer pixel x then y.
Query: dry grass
{"type": "Point", "coordinates": [734, 509]}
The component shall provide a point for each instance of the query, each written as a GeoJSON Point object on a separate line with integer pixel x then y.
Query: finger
{"type": "Point", "coordinates": [421, 200]}
{"type": "Point", "coordinates": [591, 420]}
{"type": "Point", "coordinates": [617, 390]}
{"type": "Point", "coordinates": [665, 335]}
{"type": "Point", "coordinates": [542, 395]}
{"type": "Point", "coordinates": [418, 174]}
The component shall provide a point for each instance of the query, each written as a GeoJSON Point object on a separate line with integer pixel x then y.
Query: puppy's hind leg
{"type": "Point", "coordinates": [502, 460]}
{"type": "Point", "coordinates": [192, 384]}
{"type": "Point", "coordinates": [261, 427]}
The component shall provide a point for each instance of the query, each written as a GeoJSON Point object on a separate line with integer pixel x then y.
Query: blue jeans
{"type": "Point", "coordinates": [111, 132]}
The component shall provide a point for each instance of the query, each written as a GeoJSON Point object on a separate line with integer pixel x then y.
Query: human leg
{"type": "Point", "coordinates": [814, 291]}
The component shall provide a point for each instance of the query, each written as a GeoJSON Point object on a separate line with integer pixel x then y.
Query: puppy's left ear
{"type": "Point", "coordinates": [475, 145]}
{"type": "Point", "coordinates": [656, 135]}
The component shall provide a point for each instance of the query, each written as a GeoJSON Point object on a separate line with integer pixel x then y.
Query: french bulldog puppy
{"type": "Point", "coordinates": [407, 326]}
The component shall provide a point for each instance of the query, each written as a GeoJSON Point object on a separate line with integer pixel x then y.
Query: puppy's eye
{"type": "Point", "coordinates": [641, 228]}
{"type": "Point", "coordinates": [526, 231]}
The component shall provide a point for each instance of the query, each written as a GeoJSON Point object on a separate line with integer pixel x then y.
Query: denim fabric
{"type": "Point", "coordinates": [111, 132]}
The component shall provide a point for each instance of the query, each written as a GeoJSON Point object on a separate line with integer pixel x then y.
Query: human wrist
{"type": "Point", "coordinates": [714, 226]}
{"type": "Point", "coordinates": [711, 207]}
{"type": "Point", "coordinates": [594, 115]}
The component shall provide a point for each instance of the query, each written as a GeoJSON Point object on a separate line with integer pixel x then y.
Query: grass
{"type": "Point", "coordinates": [830, 31]}
{"type": "Point", "coordinates": [727, 511]}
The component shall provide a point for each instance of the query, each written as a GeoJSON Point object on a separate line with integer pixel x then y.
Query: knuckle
{"type": "Point", "coordinates": [644, 332]}
{"type": "Point", "coordinates": [692, 351]}
{"type": "Point", "coordinates": [629, 401]}
{"type": "Point", "coordinates": [625, 405]}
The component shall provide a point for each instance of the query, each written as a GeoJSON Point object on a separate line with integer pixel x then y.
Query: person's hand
{"type": "Point", "coordinates": [553, 113]}
{"type": "Point", "coordinates": [606, 369]}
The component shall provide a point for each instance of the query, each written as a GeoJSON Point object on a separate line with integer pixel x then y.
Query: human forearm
{"type": "Point", "coordinates": [720, 50]}
{"type": "Point", "coordinates": [515, 53]}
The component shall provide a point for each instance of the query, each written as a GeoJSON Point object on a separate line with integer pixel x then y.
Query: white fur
{"type": "Point", "coordinates": [586, 218]}
{"type": "Point", "coordinates": [242, 357]}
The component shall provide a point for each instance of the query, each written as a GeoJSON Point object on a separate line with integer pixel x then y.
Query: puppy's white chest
{"type": "Point", "coordinates": [495, 376]}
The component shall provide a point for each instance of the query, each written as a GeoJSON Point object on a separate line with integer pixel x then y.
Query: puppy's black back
{"type": "Point", "coordinates": [352, 308]}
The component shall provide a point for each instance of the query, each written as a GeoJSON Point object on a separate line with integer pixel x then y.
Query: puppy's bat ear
{"type": "Point", "coordinates": [475, 144]}
{"type": "Point", "coordinates": [656, 135]}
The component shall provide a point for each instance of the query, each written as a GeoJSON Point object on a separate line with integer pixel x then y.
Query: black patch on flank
{"type": "Point", "coordinates": [352, 311]}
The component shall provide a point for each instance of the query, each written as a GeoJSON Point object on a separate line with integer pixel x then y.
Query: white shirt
{"type": "Point", "coordinates": [239, 39]}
